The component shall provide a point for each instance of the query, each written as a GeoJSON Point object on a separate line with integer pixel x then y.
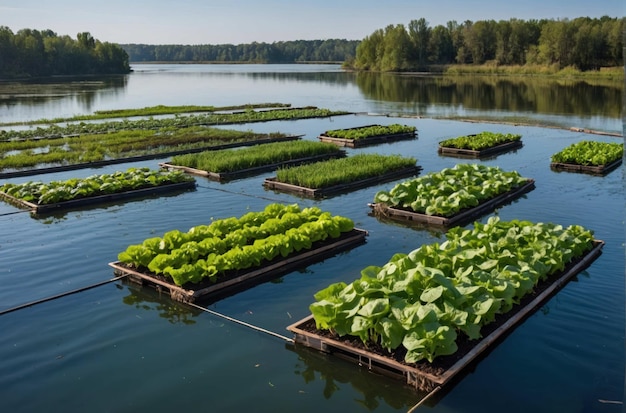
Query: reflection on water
{"type": "Point", "coordinates": [511, 95]}
{"type": "Point", "coordinates": [68, 95]}
{"type": "Point", "coordinates": [565, 103]}
{"type": "Point", "coordinates": [149, 299]}
{"type": "Point", "coordinates": [375, 389]}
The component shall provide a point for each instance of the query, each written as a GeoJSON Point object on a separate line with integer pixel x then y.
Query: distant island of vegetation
{"type": "Point", "coordinates": [584, 45]}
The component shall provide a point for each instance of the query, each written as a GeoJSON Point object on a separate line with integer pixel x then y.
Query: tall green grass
{"type": "Point", "coordinates": [231, 160]}
{"type": "Point", "coordinates": [341, 171]}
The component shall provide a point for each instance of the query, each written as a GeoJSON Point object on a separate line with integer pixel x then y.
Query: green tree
{"type": "Point", "coordinates": [440, 47]}
{"type": "Point", "coordinates": [419, 35]}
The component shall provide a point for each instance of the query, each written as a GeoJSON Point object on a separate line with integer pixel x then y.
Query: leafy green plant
{"type": "Point", "coordinates": [370, 131]}
{"type": "Point", "coordinates": [230, 244]}
{"type": "Point", "coordinates": [482, 140]}
{"type": "Point", "coordinates": [451, 190]}
{"type": "Point", "coordinates": [345, 170]}
{"type": "Point", "coordinates": [59, 191]}
{"type": "Point", "coordinates": [424, 299]}
{"type": "Point", "coordinates": [590, 153]}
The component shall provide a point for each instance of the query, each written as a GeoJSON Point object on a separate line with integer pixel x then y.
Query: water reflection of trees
{"type": "Point", "coordinates": [41, 91]}
{"type": "Point", "coordinates": [511, 94]}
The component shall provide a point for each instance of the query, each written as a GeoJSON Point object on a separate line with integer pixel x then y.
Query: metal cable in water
{"type": "Point", "coordinates": [54, 297]}
{"type": "Point", "coordinates": [243, 323]}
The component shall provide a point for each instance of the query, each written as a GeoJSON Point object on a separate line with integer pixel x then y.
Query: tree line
{"type": "Point", "coordinates": [34, 53]}
{"type": "Point", "coordinates": [297, 51]}
{"type": "Point", "coordinates": [584, 43]}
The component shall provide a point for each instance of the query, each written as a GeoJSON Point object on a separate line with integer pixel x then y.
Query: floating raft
{"type": "Point", "coordinates": [225, 176]}
{"type": "Point", "coordinates": [272, 183]}
{"type": "Point", "coordinates": [99, 199]}
{"type": "Point", "coordinates": [399, 214]}
{"type": "Point", "coordinates": [470, 153]}
{"type": "Point", "coordinates": [99, 164]}
{"type": "Point", "coordinates": [589, 169]}
{"type": "Point", "coordinates": [372, 140]}
{"type": "Point", "coordinates": [240, 280]}
{"type": "Point", "coordinates": [417, 377]}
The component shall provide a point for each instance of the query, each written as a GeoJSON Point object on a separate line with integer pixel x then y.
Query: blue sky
{"type": "Point", "coordinates": [245, 21]}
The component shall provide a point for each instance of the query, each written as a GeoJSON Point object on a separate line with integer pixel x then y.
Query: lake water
{"type": "Point", "coordinates": [121, 348]}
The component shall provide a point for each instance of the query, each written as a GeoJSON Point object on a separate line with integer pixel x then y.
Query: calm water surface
{"type": "Point", "coordinates": [120, 348]}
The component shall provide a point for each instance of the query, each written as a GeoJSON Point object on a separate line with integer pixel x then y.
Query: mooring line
{"type": "Point", "coordinates": [243, 323]}
{"type": "Point", "coordinates": [421, 402]}
{"type": "Point", "coordinates": [243, 194]}
{"type": "Point", "coordinates": [12, 213]}
{"type": "Point", "coordinates": [54, 297]}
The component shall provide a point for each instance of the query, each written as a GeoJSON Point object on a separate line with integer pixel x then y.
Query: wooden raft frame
{"type": "Point", "coordinates": [398, 214]}
{"type": "Point", "coordinates": [372, 140]}
{"type": "Point", "coordinates": [98, 199]}
{"type": "Point", "coordinates": [245, 278]}
{"type": "Point", "coordinates": [226, 176]}
{"type": "Point", "coordinates": [272, 183]}
{"type": "Point", "coordinates": [589, 169]}
{"type": "Point", "coordinates": [470, 153]}
{"type": "Point", "coordinates": [412, 375]}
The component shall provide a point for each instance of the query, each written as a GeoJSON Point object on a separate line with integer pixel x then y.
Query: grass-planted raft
{"type": "Point", "coordinates": [337, 175]}
{"type": "Point", "coordinates": [37, 195]}
{"type": "Point", "coordinates": [231, 251]}
{"type": "Point", "coordinates": [442, 197]}
{"type": "Point", "coordinates": [230, 163]}
{"type": "Point", "coordinates": [480, 144]}
{"type": "Point", "coordinates": [420, 309]}
{"type": "Point", "coordinates": [589, 156]}
{"type": "Point", "coordinates": [368, 135]}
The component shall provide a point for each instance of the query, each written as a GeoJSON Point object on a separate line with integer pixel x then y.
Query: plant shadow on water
{"type": "Point", "coordinates": [149, 299]}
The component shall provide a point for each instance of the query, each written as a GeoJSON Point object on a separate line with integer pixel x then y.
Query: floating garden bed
{"type": "Point", "coordinates": [236, 163]}
{"type": "Point", "coordinates": [57, 195]}
{"type": "Point", "coordinates": [451, 196]}
{"type": "Point", "coordinates": [18, 158]}
{"type": "Point", "coordinates": [336, 176]}
{"type": "Point", "coordinates": [233, 253]}
{"type": "Point", "coordinates": [368, 135]}
{"type": "Point", "coordinates": [591, 157]}
{"type": "Point", "coordinates": [210, 119]}
{"type": "Point", "coordinates": [425, 316]}
{"type": "Point", "coordinates": [480, 145]}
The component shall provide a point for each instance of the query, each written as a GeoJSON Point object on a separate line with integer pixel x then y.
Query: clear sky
{"type": "Point", "coordinates": [246, 21]}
